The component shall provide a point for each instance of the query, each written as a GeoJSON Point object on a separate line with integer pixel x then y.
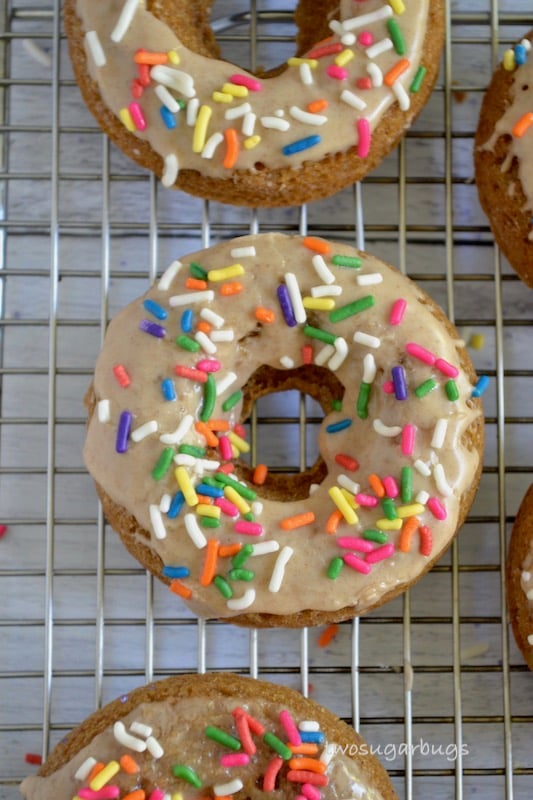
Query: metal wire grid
{"type": "Point", "coordinates": [80, 622]}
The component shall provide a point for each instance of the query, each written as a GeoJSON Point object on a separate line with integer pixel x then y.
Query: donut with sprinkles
{"type": "Point", "coordinates": [520, 577]}
{"type": "Point", "coordinates": [151, 73]}
{"type": "Point", "coordinates": [400, 442]}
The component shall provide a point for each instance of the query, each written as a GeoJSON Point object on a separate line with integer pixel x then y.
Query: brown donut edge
{"type": "Point", "coordinates": [519, 613]}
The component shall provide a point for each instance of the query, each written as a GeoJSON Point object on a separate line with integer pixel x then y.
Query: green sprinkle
{"type": "Point", "coordinates": [336, 405]}
{"type": "Point", "coordinates": [191, 450]}
{"type": "Point", "coordinates": [418, 79]}
{"type": "Point", "coordinates": [375, 536]}
{"type": "Point", "coordinates": [426, 387]}
{"type": "Point", "coordinates": [249, 517]}
{"type": "Point", "coordinates": [220, 736]}
{"type": "Point", "coordinates": [318, 333]}
{"type": "Point", "coordinates": [232, 400]}
{"type": "Point", "coordinates": [276, 744]}
{"type": "Point", "coordinates": [182, 104]}
{"type": "Point", "coordinates": [187, 774]}
{"type": "Point", "coordinates": [350, 309]}
{"type": "Point", "coordinates": [244, 491]}
{"type": "Point", "coordinates": [407, 484]}
{"type": "Point", "coordinates": [209, 522]}
{"type": "Point", "coordinates": [452, 392]}
{"type": "Point", "coordinates": [346, 261]}
{"type": "Point", "coordinates": [210, 482]}
{"type": "Point", "coordinates": [223, 586]}
{"type": "Point", "coordinates": [396, 35]}
{"type": "Point", "coordinates": [242, 556]}
{"type": "Point", "coordinates": [163, 463]}
{"type": "Point", "coordinates": [241, 575]}
{"type": "Point", "coordinates": [362, 400]}
{"type": "Point", "coordinates": [389, 509]}
{"type": "Point", "coordinates": [187, 343]}
{"type": "Point", "coordinates": [197, 271]}
{"type": "Point", "coordinates": [335, 567]}
{"type": "Point", "coordinates": [210, 396]}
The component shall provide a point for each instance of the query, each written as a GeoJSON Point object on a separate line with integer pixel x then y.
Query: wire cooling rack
{"type": "Point", "coordinates": [82, 231]}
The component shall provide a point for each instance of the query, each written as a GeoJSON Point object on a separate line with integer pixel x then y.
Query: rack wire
{"type": "Point", "coordinates": [82, 232]}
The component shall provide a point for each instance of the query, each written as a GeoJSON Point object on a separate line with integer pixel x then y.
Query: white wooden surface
{"type": "Point", "coordinates": [79, 621]}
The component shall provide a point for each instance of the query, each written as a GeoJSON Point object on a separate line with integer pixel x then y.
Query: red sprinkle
{"type": "Point", "coordinates": [243, 729]}
{"type": "Point", "coordinates": [347, 462]}
{"type": "Point", "coordinates": [305, 776]}
{"type": "Point", "coordinates": [136, 89]}
{"type": "Point", "coordinates": [363, 83]}
{"type": "Point", "coordinates": [33, 758]}
{"type": "Point", "coordinates": [426, 540]}
{"type": "Point", "coordinates": [144, 74]}
{"type": "Point", "coordinates": [192, 374]}
{"type": "Point", "coordinates": [307, 354]}
{"type": "Point", "coordinates": [121, 375]}
{"type": "Point", "coordinates": [271, 772]}
{"type": "Point", "coordinates": [325, 50]}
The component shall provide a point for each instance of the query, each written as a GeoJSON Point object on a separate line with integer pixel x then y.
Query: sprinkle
{"type": "Point", "coordinates": [125, 118]}
{"type": "Point", "coordinates": [168, 276]}
{"type": "Point", "coordinates": [343, 506]}
{"type": "Point", "coordinates": [380, 554]}
{"type": "Point", "coordinates": [241, 603]}
{"type": "Point", "coordinates": [419, 352]}
{"type": "Point", "coordinates": [364, 20]}
{"type": "Point", "coordinates": [275, 123]}
{"type": "Point", "coordinates": [355, 543]}
{"type": "Point", "coordinates": [341, 348]}
{"type": "Point", "coordinates": [324, 355]}
{"type": "Point", "coordinates": [192, 297]}
{"type": "Point", "coordinates": [397, 312]}
{"type": "Point", "coordinates": [156, 751]}
{"type": "Point", "coordinates": [186, 322]}
{"type": "Point", "coordinates": [295, 296]}
{"type": "Point", "coordinates": [347, 462]}
{"type": "Point", "coordinates": [396, 35]}
{"type": "Point", "coordinates": [408, 439]}
{"type": "Point", "coordinates": [271, 772]}
{"type": "Point", "coordinates": [347, 261]}
{"type": "Point", "coordinates": [232, 148]}
{"type": "Point", "coordinates": [286, 306]}
{"type": "Point", "coordinates": [376, 485]}
{"type": "Point", "coordinates": [278, 572]}
{"type": "Point", "coordinates": [124, 21]}
{"type": "Point", "coordinates": [95, 47]}
{"type": "Point", "coordinates": [396, 71]}
{"type": "Point", "coordinates": [277, 745]}
{"type": "Point", "coordinates": [300, 144]}
{"type": "Point", "coordinates": [306, 117]}
{"type": "Point", "coordinates": [389, 508]}
{"type": "Point", "coordinates": [107, 793]}
{"type": "Point", "coordinates": [104, 411]}
{"type": "Point", "coordinates": [311, 764]}
{"type": "Point", "coordinates": [84, 770]}
{"type": "Point", "coordinates": [366, 500]}
{"type": "Point", "coordinates": [264, 548]}
{"type": "Point", "coordinates": [452, 392]}
{"type": "Point", "coordinates": [389, 524]}
{"type": "Point", "coordinates": [246, 80]}
{"type": "Point", "coordinates": [176, 572]}
{"type": "Point", "coordinates": [366, 339]}
{"type": "Point", "coordinates": [379, 48]}
{"type": "Point", "coordinates": [193, 529]}
{"type": "Point", "coordinates": [321, 335]}
{"type": "Point", "coordinates": [356, 563]}
{"type": "Point", "coordinates": [437, 508]}
{"type": "Point", "coordinates": [422, 468]}
{"type": "Point", "coordinates": [163, 464]}
{"type": "Point", "coordinates": [400, 383]}
{"type": "Point", "coordinates": [480, 386]}
{"type": "Point", "coordinates": [352, 100]}
{"type": "Point", "coordinates": [347, 483]}
{"type": "Point", "coordinates": [322, 269]}
{"type": "Point", "coordinates": [238, 111]}
{"type": "Point", "coordinates": [407, 485]}
{"type": "Point", "coordinates": [290, 728]}
{"type": "Point", "coordinates": [523, 125]}
{"type": "Point", "coordinates": [156, 521]}
{"type": "Point", "coordinates": [426, 540]}
{"type": "Point", "coordinates": [418, 80]}
{"type": "Point", "coordinates": [152, 328]}
{"type": "Point", "coordinates": [425, 388]}
{"type": "Point", "coordinates": [248, 528]}
{"type": "Point", "coordinates": [123, 431]}
{"type": "Point", "coordinates": [126, 739]}
{"type": "Point", "coordinates": [225, 739]}
{"type": "Point", "coordinates": [121, 375]}
{"type": "Point", "coordinates": [364, 137]}
{"type": "Point", "coordinates": [336, 72]}
{"type": "Point", "coordinates": [446, 368]}
{"type": "Point", "coordinates": [260, 474]}
{"type": "Point", "coordinates": [336, 427]}
{"type": "Point", "coordinates": [297, 521]}
{"type": "Point", "coordinates": [227, 592]}
{"type": "Point", "coordinates": [385, 430]}
{"type": "Point", "coordinates": [187, 774]}
{"type": "Point", "coordinates": [376, 75]}
{"type": "Point", "coordinates": [181, 431]}
{"type": "Point", "coordinates": [343, 312]}
{"type": "Point", "coordinates": [375, 536]}
{"type": "Point", "coordinates": [326, 291]}
{"type": "Point", "coordinates": [440, 480]}
{"type": "Point", "coordinates": [439, 433]}
{"type": "Point", "coordinates": [169, 122]}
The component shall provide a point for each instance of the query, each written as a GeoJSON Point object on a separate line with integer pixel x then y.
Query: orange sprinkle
{"type": "Point", "coordinates": [376, 485]}
{"type": "Point", "coordinates": [210, 563]}
{"type": "Point", "coordinates": [228, 550]}
{"type": "Point", "coordinates": [98, 767]}
{"type": "Point", "coordinates": [129, 765]}
{"type": "Point", "coordinates": [144, 57]}
{"type": "Point", "coordinates": [327, 40]}
{"type": "Point", "coordinates": [260, 474]}
{"type": "Point", "coordinates": [233, 287]}
{"type": "Point", "coordinates": [333, 521]}
{"type": "Point", "coordinates": [318, 245]}
{"type": "Point", "coordinates": [307, 353]}
{"type": "Point", "coordinates": [304, 749]}
{"type": "Point", "coordinates": [406, 536]}
{"type": "Point", "coordinates": [207, 433]}
{"type": "Point", "coordinates": [138, 794]}
{"type": "Point", "coordinates": [311, 764]}
{"type": "Point", "coordinates": [195, 283]}
{"type": "Point", "coordinates": [328, 635]}
{"type": "Point", "coordinates": [205, 499]}
{"type": "Point", "coordinates": [204, 326]}
{"type": "Point", "coordinates": [394, 73]}
{"type": "Point", "coordinates": [180, 589]}
{"type": "Point", "coordinates": [298, 521]}
{"type": "Point", "coordinates": [232, 148]}
{"type": "Point", "coordinates": [218, 425]}
{"type": "Point", "coordinates": [264, 315]}
{"type": "Point", "coordinates": [223, 797]}
{"type": "Point", "coordinates": [523, 124]}
{"type": "Point", "coordinates": [317, 106]}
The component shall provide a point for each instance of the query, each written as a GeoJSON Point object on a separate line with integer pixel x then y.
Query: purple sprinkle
{"type": "Point", "coordinates": [286, 306]}
{"type": "Point", "coordinates": [123, 432]}
{"type": "Point", "coordinates": [400, 384]}
{"type": "Point", "coordinates": [152, 328]}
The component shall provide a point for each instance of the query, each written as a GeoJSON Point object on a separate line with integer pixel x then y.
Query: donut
{"type": "Point", "coordinates": [150, 73]}
{"type": "Point", "coordinates": [504, 157]}
{"type": "Point", "coordinates": [520, 578]}
{"type": "Point", "coordinates": [211, 735]}
{"type": "Point", "coordinates": [400, 443]}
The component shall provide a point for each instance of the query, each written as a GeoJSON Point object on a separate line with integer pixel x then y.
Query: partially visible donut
{"type": "Point", "coordinates": [520, 577]}
{"type": "Point", "coordinates": [217, 131]}
{"type": "Point", "coordinates": [399, 463]}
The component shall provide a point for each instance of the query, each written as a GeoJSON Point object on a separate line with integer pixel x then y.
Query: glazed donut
{"type": "Point", "coordinates": [212, 732]}
{"type": "Point", "coordinates": [149, 72]}
{"type": "Point", "coordinates": [520, 577]}
{"type": "Point", "coordinates": [504, 157]}
{"type": "Point", "coordinates": [399, 462]}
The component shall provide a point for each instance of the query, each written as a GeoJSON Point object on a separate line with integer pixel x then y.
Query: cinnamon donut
{"type": "Point", "coordinates": [520, 577]}
{"type": "Point", "coordinates": [149, 71]}
{"type": "Point", "coordinates": [400, 443]}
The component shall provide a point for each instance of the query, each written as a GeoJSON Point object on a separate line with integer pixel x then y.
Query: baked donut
{"type": "Point", "coordinates": [211, 735]}
{"type": "Point", "coordinates": [400, 443]}
{"type": "Point", "coordinates": [504, 157]}
{"type": "Point", "coordinates": [150, 73]}
{"type": "Point", "coordinates": [520, 577]}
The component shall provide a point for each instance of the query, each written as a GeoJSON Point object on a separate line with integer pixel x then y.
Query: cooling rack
{"type": "Point", "coordinates": [82, 232]}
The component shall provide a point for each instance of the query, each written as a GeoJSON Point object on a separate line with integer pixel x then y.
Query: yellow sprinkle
{"type": "Point", "coordinates": [234, 90]}
{"type": "Point", "coordinates": [177, 796]}
{"type": "Point", "coordinates": [389, 524]}
{"type": "Point", "coordinates": [173, 57]}
{"type": "Point", "coordinates": [104, 776]}
{"type": "Point", "coordinates": [125, 118]}
{"type": "Point", "coordinates": [235, 452]}
{"type": "Point", "coordinates": [509, 62]}
{"type": "Point", "coordinates": [319, 303]}
{"type": "Point", "coordinates": [477, 341]}
{"type": "Point", "coordinates": [397, 6]}
{"type": "Point", "coordinates": [200, 129]}
{"type": "Point", "coordinates": [222, 97]}
{"type": "Point", "coordinates": [342, 504]}
{"type": "Point", "coordinates": [235, 498]}
{"type": "Point", "coordinates": [350, 499]}
{"type": "Point", "coordinates": [251, 142]}
{"type": "Point", "coordinates": [185, 484]}
{"type": "Point", "coordinates": [225, 273]}
{"type": "Point", "coordinates": [205, 510]}
{"type": "Point", "coordinates": [410, 511]}
{"type": "Point", "coordinates": [297, 62]}
{"type": "Point", "coordinates": [239, 443]}
{"type": "Point", "coordinates": [344, 58]}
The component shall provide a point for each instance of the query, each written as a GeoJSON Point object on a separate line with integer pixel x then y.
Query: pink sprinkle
{"type": "Point", "coordinates": [380, 554]}
{"type": "Point", "coordinates": [436, 508]}
{"type": "Point", "coordinates": [137, 116]}
{"type": "Point", "coordinates": [398, 310]}
{"type": "Point", "coordinates": [271, 772]}
{"type": "Point", "coordinates": [227, 507]}
{"type": "Point", "coordinates": [240, 430]}
{"type": "Point", "coordinates": [224, 445]}
{"type": "Point", "coordinates": [248, 528]}
{"type": "Point", "coordinates": [356, 563]}
{"type": "Point", "coordinates": [310, 792]}
{"type": "Point", "coordinates": [388, 387]}
{"type": "Point", "coordinates": [209, 365]}
{"type": "Point", "coordinates": [426, 540]}
{"type": "Point", "coordinates": [355, 543]}
{"type": "Point", "coordinates": [363, 143]}
{"type": "Point", "coordinates": [366, 500]}
{"type": "Point", "coordinates": [246, 80]}
{"type": "Point", "coordinates": [157, 794]}
{"type": "Point", "coordinates": [365, 38]}
{"type": "Point", "coordinates": [235, 760]}
{"type": "Point", "coordinates": [338, 73]}
{"type": "Point", "coordinates": [408, 440]}
{"type": "Point", "coordinates": [291, 730]}
{"type": "Point", "coordinates": [391, 487]}
{"type": "Point", "coordinates": [446, 368]}
{"type": "Point", "coordinates": [421, 353]}
{"type": "Point", "coordinates": [300, 797]}
{"type": "Point", "coordinates": [227, 468]}
{"type": "Point", "coordinates": [3, 530]}
{"type": "Point", "coordinates": [363, 83]}
{"type": "Point", "coordinates": [107, 793]}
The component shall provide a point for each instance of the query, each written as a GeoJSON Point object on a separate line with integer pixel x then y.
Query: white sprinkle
{"type": "Point", "coordinates": [529, 594]}
{"type": "Point", "coordinates": [257, 508]}
{"type": "Point", "coordinates": [313, 488]}
{"type": "Point", "coordinates": [367, 19]}
{"type": "Point", "coordinates": [369, 368]}
{"type": "Point", "coordinates": [223, 336]}
{"type": "Point", "coordinates": [193, 529]}
{"type": "Point", "coordinates": [440, 480]}
{"type": "Point", "coordinates": [240, 603]}
{"type": "Point", "coordinates": [157, 522]}
{"type": "Point", "coordinates": [243, 252]}
{"type": "Point", "coordinates": [526, 575]}
{"type": "Point", "coordinates": [309, 726]}
{"type": "Point", "coordinates": [379, 48]}
{"type": "Point", "coordinates": [324, 355]}
{"type": "Point", "coordinates": [422, 497]}
{"type": "Point", "coordinates": [224, 789]}
{"type": "Point", "coordinates": [341, 351]}
{"type": "Point", "coordinates": [104, 411]}
{"type": "Point", "coordinates": [212, 144]}
{"type": "Point", "coordinates": [168, 100]}
{"type": "Point", "coordinates": [185, 460]}
{"type": "Point", "coordinates": [293, 288]}
{"type": "Point", "coordinates": [95, 48]}
{"type": "Point", "coordinates": [192, 111]}
{"type": "Point", "coordinates": [306, 75]}
{"type": "Point", "coordinates": [287, 362]}
{"type": "Point", "coordinates": [264, 548]}
{"type": "Point", "coordinates": [530, 639]}
{"type": "Point", "coordinates": [168, 276]}
{"type": "Point", "coordinates": [238, 111]}
{"type": "Point", "coordinates": [439, 433]}
{"type": "Point", "coordinates": [307, 117]}
{"type": "Point", "coordinates": [352, 100]}
{"type": "Point", "coordinates": [386, 430]}
{"type": "Point", "coordinates": [175, 79]}
{"type": "Point", "coordinates": [327, 753]}
{"type": "Point", "coordinates": [276, 123]}
{"type": "Point", "coordinates": [326, 291]}
{"type": "Point", "coordinates": [212, 318]}
{"type": "Point", "coordinates": [366, 339]}
{"type": "Point", "coordinates": [206, 296]}
{"type": "Point", "coordinates": [347, 483]}
{"type": "Point", "coordinates": [84, 770]}
{"type": "Point", "coordinates": [170, 171]}
{"type": "Point", "coordinates": [205, 343]}
{"type": "Point", "coordinates": [370, 279]}
{"type": "Point", "coordinates": [422, 468]}
{"type": "Point", "coordinates": [401, 95]}
{"type": "Point", "coordinates": [433, 457]}
{"type": "Point", "coordinates": [141, 729]}
{"type": "Point", "coordinates": [182, 429]}
{"type": "Point", "coordinates": [348, 39]}
{"type": "Point", "coordinates": [126, 739]}
{"type": "Point", "coordinates": [224, 383]}
{"type": "Point", "coordinates": [278, 573]}
{"type": "Point", "coordinates": [279, 112]}
{"type": "Point", "coordinates": [336, 27]}
{"type": "Point", "coordinates": [164, 503]}
{"type": "Point", "coordinates": [154, 748]}
{"type": "Point", "coordinates": [322, 269]}
{"type": "Point", "coordinates": [526, 43]}
{"type": "Point", "coordinates": [207, 464]}
{"type": "Point", "coordinates": [376, 75]}
{"type": "Point", "coordinates": [145, 430]}
{"type": "Point", "coordinates": [248, 124]}
{"type": "Point", "coordinates": [124, 21]}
